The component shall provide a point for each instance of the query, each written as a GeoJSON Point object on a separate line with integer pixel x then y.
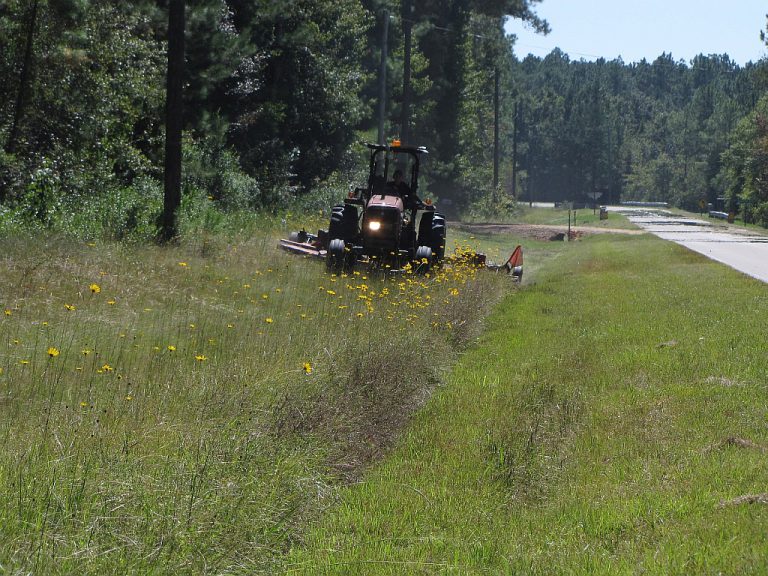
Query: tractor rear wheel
{"type": "Point", "coordinates": [344, 223]}
{"type": "Point", "coordinates": [437, 237]}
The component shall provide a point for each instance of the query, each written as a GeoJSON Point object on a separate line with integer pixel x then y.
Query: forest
{"type": "Point", "coordinates": [278, 95]}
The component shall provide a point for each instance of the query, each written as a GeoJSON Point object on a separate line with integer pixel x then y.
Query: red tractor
{"type": "Point", "coordinates": [385, 222]}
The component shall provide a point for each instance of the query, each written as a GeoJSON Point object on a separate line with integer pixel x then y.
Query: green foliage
{"type": "Point", "coordinates": [278, 92]}
{"type": "Point", "coordinates": [211, 171]}
{"type": "Point", "coordinates": [90, 122]}
{"type": "Point", "coordinates": [296, 90]}
{"type": "Point", "coordinates": [746, 165]}
{"type": "Point", "coordinates": [648, 131]}
{"type": "Point", "coordinates": [489, 207]}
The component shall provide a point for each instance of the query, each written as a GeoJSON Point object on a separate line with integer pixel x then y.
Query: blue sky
{"type": "Point", "coordinates": [590, 29]}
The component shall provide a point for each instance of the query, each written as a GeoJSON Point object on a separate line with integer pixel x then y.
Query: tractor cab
{"type": "Point", "coordinates": [394, 171]}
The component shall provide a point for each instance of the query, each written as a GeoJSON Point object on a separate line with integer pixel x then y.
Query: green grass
{"type": "Point", "coordinates": [595, 426]}
{"type": "Point", "coordinates": [189, 409]}
{"type": "Point", "coordinates": [604, 424]}
{"type": "Point", "coordinates": [559, 217]}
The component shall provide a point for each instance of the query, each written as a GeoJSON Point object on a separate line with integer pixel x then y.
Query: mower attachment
{"type": "Point", "coordinates": [513, 266]}
{"type": "Point", "coordinates": [304, 243]}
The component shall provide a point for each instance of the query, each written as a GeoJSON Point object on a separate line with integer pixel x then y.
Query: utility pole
{"type": "Point", "coordinates": [405, 120]}
{"type": "Point", "coordinates": [383, 76]}
{"type": "Point", "coordinates": [496, 120]}
{"type": "Point", "coordinates": [174, 119]}
{"type": "Point", "coordinates": [515, 135]}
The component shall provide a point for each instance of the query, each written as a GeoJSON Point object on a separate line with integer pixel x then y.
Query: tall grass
{"type": "Point", "coordinates": [189, 409]}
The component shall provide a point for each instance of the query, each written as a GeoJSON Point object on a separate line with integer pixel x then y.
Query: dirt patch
{"type": "Point", "coordinates": [746, 499]}
{"type": "Point", "coordinates": [736, 442]}
{"type": "Point", "coordinates": [543, 232]}
{"type": "Point", "coordinates": [721, 381]}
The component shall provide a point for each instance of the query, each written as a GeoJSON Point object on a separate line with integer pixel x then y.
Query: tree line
{"type": "Point", "coordinates": [278, 94]}
{"type": "Point", "coordinates": [665, 130]}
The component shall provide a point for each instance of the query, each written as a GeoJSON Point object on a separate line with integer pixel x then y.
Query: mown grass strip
{"type": "Point", "coordinates": [611, 421]}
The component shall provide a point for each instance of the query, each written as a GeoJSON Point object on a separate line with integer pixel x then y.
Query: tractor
{"type": "Point", "coordinates": [385, 222]}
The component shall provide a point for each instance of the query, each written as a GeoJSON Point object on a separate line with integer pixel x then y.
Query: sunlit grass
{"type": "Point", "coordinates": [189, 408]}
{"type": "Point", "coordinates": [583, 217]}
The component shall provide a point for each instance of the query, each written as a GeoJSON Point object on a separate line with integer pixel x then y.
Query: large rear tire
{"type": "Point", "coordinates": [437, 237]}
{"type": "Point", "coordinates": [425, 229]}
{"type": "Point", "coordinates": [344, 223]}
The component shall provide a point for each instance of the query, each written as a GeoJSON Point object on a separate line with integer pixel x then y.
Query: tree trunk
{"type": "Point", "coordinates": [24, 80]}
{"type": "Point", "coordinates": [383, 77]}
{"type": "Point", "coordinates": [496, 121]}
{"type": "Point", "coordinates": [173, 120]}
{"type": "Point", "coordinates": [405, 121]}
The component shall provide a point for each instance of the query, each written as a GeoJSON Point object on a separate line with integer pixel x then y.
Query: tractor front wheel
{"type": "Point", "coordinates": [334, 259]}
{"type": "Point", "coordinates": [423, 259]}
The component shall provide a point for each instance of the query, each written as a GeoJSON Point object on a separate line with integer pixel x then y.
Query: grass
{"type": "Point", "coordinates": [222, 407]}
{"type": "Point", "coordinates": [585, 217]}
{"type": "Point", "coordinates": [610, 421]}
{"type": "Point", "coordinates": [190, 409]}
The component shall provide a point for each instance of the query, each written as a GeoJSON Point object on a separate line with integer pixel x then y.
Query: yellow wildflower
{"type": "Point", "coordinates": [268, 320]}
{"type": "Point", "coordinates": [307, 367]}
{"type": "Point", "coordinates": [171, 348]}
{"type": "Point", "coordinates": [95, 288]}
{"type": "Point", "coordinates": [201, 358]}
{"type": "Point", "coordinates": [69, 307]}
{"type": "Point", "coordinates": [53, 352]}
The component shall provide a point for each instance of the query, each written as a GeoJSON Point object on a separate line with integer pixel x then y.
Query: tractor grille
{"type": "Point", "coordinates": [387, 237]}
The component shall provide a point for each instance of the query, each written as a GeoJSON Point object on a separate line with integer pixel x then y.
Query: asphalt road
{"type": "Point", "coordinates": [732, 245]}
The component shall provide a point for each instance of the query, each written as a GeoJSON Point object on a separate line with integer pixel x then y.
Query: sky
{"type": "Point", "coordinates": [591, 29]}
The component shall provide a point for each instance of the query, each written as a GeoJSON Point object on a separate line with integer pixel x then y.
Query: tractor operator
{"type": "Point", "coordinates": [398, 185]}
{"type": "Point", "coordinates": [403, 190]}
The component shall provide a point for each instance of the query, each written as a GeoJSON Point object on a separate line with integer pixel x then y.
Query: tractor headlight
{"type": "Point", "coordinates": [374, 225]}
